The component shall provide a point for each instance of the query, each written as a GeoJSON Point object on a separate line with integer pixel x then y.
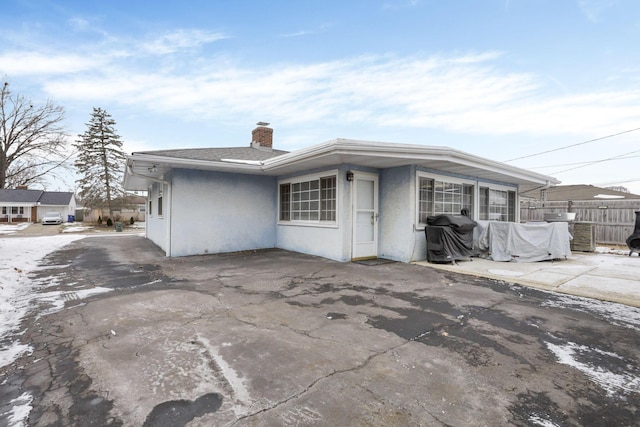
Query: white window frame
{"type": "Point", "coordinates": [150, 196]}
{"type": "Point", "coordinates": [312, 177]}
{"type": "Point", "coordinates": [159, 205]}
{"type": "Point", "coordinates": [506, 188]}
{"type": "Point", "coordinates": [443, 178]}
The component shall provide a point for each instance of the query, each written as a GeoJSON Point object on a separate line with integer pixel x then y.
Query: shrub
{"type": "Point", "coordinates": [99, 220]}
{"type": "Point", "coordinates": [109, 222]}
{"type": "Point", "coordinates": [131, 221]}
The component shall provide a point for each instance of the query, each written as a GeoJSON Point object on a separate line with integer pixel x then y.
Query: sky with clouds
{"type": "Point", "coordinates": [502, 79]}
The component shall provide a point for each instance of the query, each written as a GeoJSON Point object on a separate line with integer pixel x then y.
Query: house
{"type": "Point", "coordinates": [611, 211]}
{"type": "Point", "coordinates": [24, 205]}
{"type": "Point", "coordinates": [343, 199]}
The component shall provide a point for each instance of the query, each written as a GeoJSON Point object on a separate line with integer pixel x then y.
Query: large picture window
{"type": "Point", "coordinates": [438, 197]}
{"type": "Point", "coordinates": [497, 205]}
{"type": "Point", "coordinates": [309, 199]}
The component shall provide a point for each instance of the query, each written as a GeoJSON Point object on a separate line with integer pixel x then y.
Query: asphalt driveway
{"type": "Point", "coordinates": [278, 338]}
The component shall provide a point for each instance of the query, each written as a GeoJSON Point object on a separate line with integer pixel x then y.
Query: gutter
{"type": "Point", "coordinates": [139, 175]}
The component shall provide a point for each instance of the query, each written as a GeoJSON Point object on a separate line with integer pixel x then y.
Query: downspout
{"type": "Point", "coordinates": [544, 187]}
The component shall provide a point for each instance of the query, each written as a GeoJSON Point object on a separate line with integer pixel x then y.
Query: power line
{"type": "Point", "coordinates": [619, 157]}
{"type": "Point", "coordinates": [578, 163]}
{"type": "Point", "coordinates": [572, 145]}
{"type": "Point", "coordinates": [617, 182]}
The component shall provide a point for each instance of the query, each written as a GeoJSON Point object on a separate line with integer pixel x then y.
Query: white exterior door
{"type": "Point", "coordinates": [365, 216]}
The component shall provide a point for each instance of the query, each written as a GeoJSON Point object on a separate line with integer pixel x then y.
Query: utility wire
{"type": "Point", "coordinates": [577, 163]}
{"type": "Point", "coordinates": [572, 145]}
{"type": "Point", "coordinates": [619, 157]}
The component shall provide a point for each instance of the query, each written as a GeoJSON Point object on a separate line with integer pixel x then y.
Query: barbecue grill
{"type": "Point", "coordinates": [633, 241]}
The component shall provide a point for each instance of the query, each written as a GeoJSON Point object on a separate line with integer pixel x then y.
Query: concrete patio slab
{"type": "Point", "coordinates": [606, 276]}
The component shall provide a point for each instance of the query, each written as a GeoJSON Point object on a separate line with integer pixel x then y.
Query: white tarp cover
{"type": "Point", "coordinates": [530, 242]}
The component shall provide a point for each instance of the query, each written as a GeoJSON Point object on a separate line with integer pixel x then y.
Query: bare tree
{"type": "Point", "coordinates": [32, 140]}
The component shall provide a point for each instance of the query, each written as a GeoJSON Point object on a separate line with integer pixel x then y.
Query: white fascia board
{"type": "Point", "coordinates": [410, 152]}
{"type": "Point", "coordinates": [173, 162]}
{"type": "Point", "coordinates": [300, 155]}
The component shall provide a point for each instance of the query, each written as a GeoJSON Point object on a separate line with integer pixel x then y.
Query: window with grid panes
{"type": "Point", "coordinates": [440, 197]}
{"type": "Point", "coordinates": [311, 200]}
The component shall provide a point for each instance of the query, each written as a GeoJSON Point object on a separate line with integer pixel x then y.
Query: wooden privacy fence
{"type": "Point", "coordinates": [614, 220]}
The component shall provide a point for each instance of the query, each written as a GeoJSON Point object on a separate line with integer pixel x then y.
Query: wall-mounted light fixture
{"type": "Point", "coordinates": [153, 169]}
{"type": "Point", "coordinates": [349, 176]}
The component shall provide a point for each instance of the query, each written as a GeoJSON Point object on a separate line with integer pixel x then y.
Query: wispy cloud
{"type": "Point", "coordinates": [463, 93]}
{"type": "Point", "coordinates": [467, 93]}
{"type": "Point", "coordinates": [593, 9]}
{"type": "Point", "coordinates": [181, 40]}
{"type": "Point", "coordinates": [41, 63]}
{"type": "Point", "coordinates": [400, 4]}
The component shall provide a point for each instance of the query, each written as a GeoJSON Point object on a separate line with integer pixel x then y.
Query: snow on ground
{"type": "Point", "coordinates": [20, 256]}
{"type": "Point", "coordinates": [76, 228]}
{"type": "Point", "coordinates": [617, 314]}
{"type": "Point", "coordinates": [12, 228]}
{"type": "Point", "coordinates": [20, 410]}
{"type": "Point", "coordinates": [581, 357]}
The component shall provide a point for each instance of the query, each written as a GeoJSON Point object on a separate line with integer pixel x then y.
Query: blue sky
{"type": "Point", "coordinates": [501, 79]}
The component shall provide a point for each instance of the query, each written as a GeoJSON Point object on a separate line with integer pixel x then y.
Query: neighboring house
{"type": "Point", "coordinates": [24, 205]}
{"type": "Point", "coordinates": [342, 199]}
{"type": "Point", "coordinates": [611, 211]}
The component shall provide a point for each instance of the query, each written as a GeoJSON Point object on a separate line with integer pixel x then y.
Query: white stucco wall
{"type": "Point", "coordinates": [333, 242]}
{"type": "Point", "coordinates": [213, 212]}
{"type": "Point", "coordinates": [397, 235]}
{"type": "Point", "coordinates": [156, 225]}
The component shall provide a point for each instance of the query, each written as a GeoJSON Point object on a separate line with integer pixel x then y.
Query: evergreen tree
{"type": "Point", "coordinates": [100, 162]}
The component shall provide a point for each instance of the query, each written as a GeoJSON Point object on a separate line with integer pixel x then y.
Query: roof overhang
{"type": "Point", "coordinates": [144, 169]}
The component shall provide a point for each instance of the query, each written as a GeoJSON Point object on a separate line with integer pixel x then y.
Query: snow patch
{"type": "Point", "coordinates": [19, 257]}
{"type": "Point", "coordinates": [12, 228]}
{"type": "Point", "coordinates": [76, 228]}
{"type": "Point", "coordinates": [617, 314]}
{"type": "Point", "coordinates": [542, 422]}
{"type": "Point", "coordinates": [19, 414]}
{"type": "Point", "coordinates": [611, 382]}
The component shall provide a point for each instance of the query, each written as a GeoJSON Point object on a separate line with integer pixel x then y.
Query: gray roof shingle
{"type": "Point", "coordinates": [217, 154]}
{"type": "Point", "coordinates": [52, 198]}
{"type": "Point", "coordinates": [58, 198]}
{"type": "Point", "coordinates": [20, 196]}
{"type": "Point", "coordinates": [583, 192]}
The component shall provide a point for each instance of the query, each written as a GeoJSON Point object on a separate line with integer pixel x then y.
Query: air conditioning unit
{"type": "Point", "coordinates": [560, 217]}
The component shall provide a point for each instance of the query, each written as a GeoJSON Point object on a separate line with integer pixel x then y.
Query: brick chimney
{"type": "Point", "coordinates": [262, 136]}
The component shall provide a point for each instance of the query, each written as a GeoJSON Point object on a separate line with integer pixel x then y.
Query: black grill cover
{"type": "Point", "coordinates": [458, 222]}
{"type": "Point", "coordinates": [449, 238]}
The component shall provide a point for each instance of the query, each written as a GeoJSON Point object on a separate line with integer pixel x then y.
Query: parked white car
{"type": "Point", "coordinates": [52, 218]}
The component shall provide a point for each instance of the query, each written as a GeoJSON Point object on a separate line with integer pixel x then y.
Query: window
{"type": "Point", "coordinates": [309, 200]}
{"type": "Point", "coordinates": [497, 205]}
{"type": "Point", "coordinates": [4, 210]}
{"type": "Point", "coordinates": [285, 202]}
{"type": "Point", "coordinates": [437, 197]}
{"type": "Point", "coordinates": [17, 210]}
{"type": "Point", "coordinates": [150, 207]}
{"type": "Point", "coordinates": [160, 206]}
